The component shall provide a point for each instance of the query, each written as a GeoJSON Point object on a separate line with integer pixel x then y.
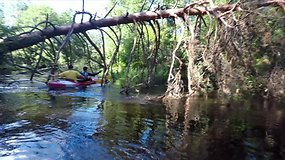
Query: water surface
{"type": "Point", "coordinates": [99, 123]}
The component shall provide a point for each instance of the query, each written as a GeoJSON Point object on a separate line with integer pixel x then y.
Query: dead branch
{"type": "Point", "coordinates": [95, 46]}
{"type": "Point", "coordinates": [23, 67]}
{"type": "Point", "coordinates": [174, 83]}
{"type": "Point", "coordinates": [38, 62]}
{"type": "Point", "coordinates": [154, 53]}
{"type": "Point", "coordinates": [89, 54]}
{"type": "Point", "coordinates": [150, 5]}
{"type": "Point", "coordinates": [127, 84]}
{"type": "Point", "coordinates": [118, 40]}
{"type": "Point", "coordinates": [111, 10]}
{"type": "Point", "coordinates": [29, 39]}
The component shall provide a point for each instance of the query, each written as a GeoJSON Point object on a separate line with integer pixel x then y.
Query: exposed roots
{"type": "Point", "coordinates": [276, 84]}
{"type": "Point", "coordinates": [175, 88]}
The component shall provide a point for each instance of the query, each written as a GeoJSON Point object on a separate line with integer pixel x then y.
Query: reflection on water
{"type": "Point", "coordinates": [98, 123]}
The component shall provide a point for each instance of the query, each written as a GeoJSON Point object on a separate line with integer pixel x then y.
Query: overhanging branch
{"type": "Point", "coordinates": [25, 40]}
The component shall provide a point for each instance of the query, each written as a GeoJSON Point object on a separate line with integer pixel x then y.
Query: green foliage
{"type": "Point", "coordinates": [262, 65]}
{"type": "Point", "coordinates": [143, 57]}
{"type": "Point", "coordinates": [75, 50]}
{"type": "Point", "coordinates": [29, 16]}
{"type": "Point", "coordinates": [12, 9]}
{"type": "Point", "coordinates": [236, 58]}
{"type": "Point", "coordinates": [36, 14]}
{"type": "Point", "coordinates": [1, 13]}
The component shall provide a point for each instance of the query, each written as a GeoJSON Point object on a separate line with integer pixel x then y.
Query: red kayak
{"type": "Point", "coordinates": [63, 84]}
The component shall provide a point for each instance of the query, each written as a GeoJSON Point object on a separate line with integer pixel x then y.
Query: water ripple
{"type": "Point", "coordinates": [14, 125]}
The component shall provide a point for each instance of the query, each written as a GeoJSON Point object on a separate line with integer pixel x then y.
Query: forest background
{"type": "Point", "coordinates": [239, 51]}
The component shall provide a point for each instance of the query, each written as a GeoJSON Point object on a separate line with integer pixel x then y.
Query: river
{"type": "Point", "coordinates": [99, 123]}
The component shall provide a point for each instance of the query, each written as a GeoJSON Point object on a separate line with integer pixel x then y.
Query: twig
{"type": "Point", "coordinates": [110, 10]}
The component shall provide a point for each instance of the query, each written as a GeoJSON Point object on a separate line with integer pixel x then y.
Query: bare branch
{"type": "Point", "coordinates": [110, 10]}
{"type": "Point", "coordinates": [95, 47]}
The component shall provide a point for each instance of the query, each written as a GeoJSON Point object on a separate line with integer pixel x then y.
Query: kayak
{"type": "Point", "coordinates": [63, 84]}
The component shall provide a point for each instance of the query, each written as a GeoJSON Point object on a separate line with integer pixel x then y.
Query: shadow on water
{"type": "Point", "coordinates": [99, 123]}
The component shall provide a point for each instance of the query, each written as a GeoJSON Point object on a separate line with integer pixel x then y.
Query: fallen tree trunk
{"type": "Point", "coordinates": [25, 40]}
{"type": "Point", "coordinates": [28, 39]}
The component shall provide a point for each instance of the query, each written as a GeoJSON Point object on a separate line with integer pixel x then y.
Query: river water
{"type": "Point", "coordinates": [99, 123]}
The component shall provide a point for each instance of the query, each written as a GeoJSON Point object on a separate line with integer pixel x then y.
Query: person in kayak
{"type": "Point", "coordinates": [86, 74]}
{"type": "Point", "coordinates": [71, 74]}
